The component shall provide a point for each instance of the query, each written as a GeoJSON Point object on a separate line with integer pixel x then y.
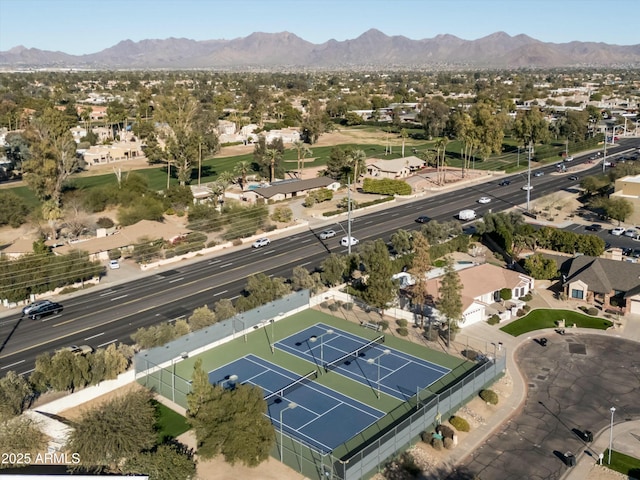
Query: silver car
{"type": "Point", "coordinates": [32, 306]}
{"type": "Point", "coordinates": [327, 234]}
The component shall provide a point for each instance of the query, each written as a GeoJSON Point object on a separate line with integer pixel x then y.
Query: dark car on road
{"type": "Point", "coordinates": [596, 227]}
{"type": "Point", "coordinates": [45, 309]}
{"type": "Point", "coordinates": [423, 219]}
{"type": "Point", "coordinates": [504, 183]}
{"type": "Point", "coordinates": [573, 178]}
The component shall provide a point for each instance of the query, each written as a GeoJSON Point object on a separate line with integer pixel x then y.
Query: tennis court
{"type": "Point", "coordinates": [369, 362]}
{"type": "Point", "coordinates": [314, 414]}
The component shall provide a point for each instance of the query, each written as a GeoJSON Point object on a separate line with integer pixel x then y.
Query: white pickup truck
{"type": "Point", "coordinates": [467, 215]}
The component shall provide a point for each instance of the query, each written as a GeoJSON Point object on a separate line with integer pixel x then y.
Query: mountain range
{"type": "Point", "coordinates": [371, 50]}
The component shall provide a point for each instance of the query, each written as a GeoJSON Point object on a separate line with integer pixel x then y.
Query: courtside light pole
{"type": "Point", "coordinates": [314, 339]}
{"type": "Point", "coordinates": [291, 406]}
{"type": "Point", "coordinates": [371, 361]}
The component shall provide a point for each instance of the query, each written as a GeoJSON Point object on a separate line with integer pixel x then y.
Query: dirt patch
{"type": "Point", "coordinates": [75, 413]}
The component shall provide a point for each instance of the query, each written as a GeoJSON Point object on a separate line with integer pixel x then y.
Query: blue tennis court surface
{"type": "Point", "coordinates": [400, 375]}
{"type": "Point", "coordinates": [322, 417]}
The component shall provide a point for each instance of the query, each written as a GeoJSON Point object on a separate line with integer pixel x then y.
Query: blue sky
{"type": "Point", "coordinates": [88, 26]}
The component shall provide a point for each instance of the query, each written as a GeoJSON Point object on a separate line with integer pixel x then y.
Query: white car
{"type": "Point", "coordinates": [114, 264]}
{"type": "Point", "coordinates": [568, 159]}
{"type": "Point", "coordinates": [527, 187]}
{"type": "Point", "coordinates": [261, 242]}
{"type": "Point", "coordinates": [538, 174]}
{"type": "Point", "coordinates": [484, 200]}
{"type": "Point", "coordinates": [632, 232]}
{"type": "Point", "coordinates": [346, 241]}
{"type": "Point", "coordinates": [327, 234]}
{"type": "Point", "coordinates": [618, 231]}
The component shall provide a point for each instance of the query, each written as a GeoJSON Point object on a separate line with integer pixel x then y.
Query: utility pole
{"type": "Point", "coordinates": [529, 178]}
{"type": "Point", "coordinates": [349, 215]}
{"type": "Point", "coordinates": [199, 162]}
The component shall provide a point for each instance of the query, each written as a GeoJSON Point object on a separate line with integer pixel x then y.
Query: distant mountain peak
{"type": "Point", "coordinates": [372, 49]}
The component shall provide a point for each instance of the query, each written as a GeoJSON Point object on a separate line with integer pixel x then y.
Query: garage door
{"type": "Point", "coordinates": [635, 306]}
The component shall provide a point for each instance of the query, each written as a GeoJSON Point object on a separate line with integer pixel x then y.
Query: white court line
{"type": "Point", "coordinates": [94, 336]}
{"type": "Point", "coordinates": [12, 365]}
{"type": "Point", "coordinates": [107, 343]}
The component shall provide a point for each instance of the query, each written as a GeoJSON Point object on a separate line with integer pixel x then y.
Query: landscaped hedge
{"type": "Point", "coordinates": [386, 186]}
{"type": "Point", "coordinates": [459, 424]}
{"type": "Point", "coordinates": [361, 205]}
{"type": "Point", "coordinates": [489, 396]}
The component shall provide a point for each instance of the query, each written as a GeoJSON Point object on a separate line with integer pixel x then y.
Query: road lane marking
{"type": "Point", "coordinates": [176, 280]}
{"type": "Point", "coordinates": [28, 371]}
{"type": "Point", "coordinates": [107, 343]}
{"type": "Point", "coordinates": [118, 298]}
{"type": "Point", "coordinates": [12, 364]}
{"type": "Point", "coordinates": [94, 336]}
{"type": "Point", "coordinates": [226, 265]}
{"type": "Point", "coordinates": [106, 294]}
{"type": "Point", "coordinates": [220, 293]}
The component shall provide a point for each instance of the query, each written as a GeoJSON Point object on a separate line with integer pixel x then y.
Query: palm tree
{"type": "Point", "coordinates": [274, 156]}
{"type": "Point", "coordinates": [242, 168]}
{"type": "Point", "coordinates": [404, 134]}
{"type": "Point", "coordinates": [357, 159]}
{"type": "Point", "coordinates": [303, 152]}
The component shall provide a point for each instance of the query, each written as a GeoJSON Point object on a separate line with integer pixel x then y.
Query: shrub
{"type": "Point", "coordinates": [437, 443]}
{"type": "Point", "coordinates": [426, 436]}
{"type": "Point", "coordinates": [402, 322]}
{"type": "Point", "coordinates": [448, 443]}
{"type": "Point", "coordinates": [494, 319]}
{"type": "Point", "coordinates": [402, 331]}
{"type": "Point", "coordinates": [526, 308]}
{"type": "Point", "coordinates": [384, 325]}
{"type": "Point", "coordinates": [169, 254]}
{"type": "Point", "coordinates": [593, 311]}
{"type": "Point", "coordinates": [236, 242]}
{"type": "Point", "coordinates": [196, 237]}
{"type": "Point", "coordinates": [520, 313]}
{"type": "Point", "coordinates": [431, 335]}
{"type": "Point", "coordinates": [445, 431]}
{"type": "Point", "coordinates": [527, 297]}
{"type": "Point", "coordinates": [459, 424]}
{"type": "Point", "coordinates": [324, 305]}
{"type": "Point", "coordinates": [334, 307]}
{"type": "Point", "coordinates": [348, 306]}
{"type": "Point", "coordinates": [212, 243]}
{"type": "Point", "coordinates": [386, 186]}
{"type": "Point", "coordinates": [489, 396]}
{"type": "Point", "coordinates": [104, 222]}
{"type": "Point", "coordinates": [114, 254]}
{"type": "Point", "coordinates": [505, 294]}
{"type": "Point", "coordinates": [282, 215]}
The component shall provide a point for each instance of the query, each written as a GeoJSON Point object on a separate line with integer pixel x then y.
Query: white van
{"type": "Point", "coordinates": [467, 215]}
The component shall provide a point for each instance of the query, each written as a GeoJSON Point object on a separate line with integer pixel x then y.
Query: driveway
{"type": "Point", "coordinates": [572, 383]}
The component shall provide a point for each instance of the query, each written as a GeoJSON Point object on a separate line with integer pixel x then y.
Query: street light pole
{"type": "Point", "coordinates": [612, 410]}
{"type": "Point", "coordinates": [291, 406]}
{"type": "Point", "coordinates": [315, 338]}
{"type": "Point", "coordinates": [371, 361]}
{"type": "Point", "coordinates": [529, 178]}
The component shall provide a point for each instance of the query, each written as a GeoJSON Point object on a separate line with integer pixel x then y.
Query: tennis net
{"type": "Point", "coordinates": [309, 377]}
{"type": "Point", "coordinates": [353, 355]}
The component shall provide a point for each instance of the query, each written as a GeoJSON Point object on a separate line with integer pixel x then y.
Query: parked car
{"type": "Point", "coordinates": [114, 264]}
{"type": "Point", "coordinates": [573, 178]}
{"type": "Point", "coordinates": [261, 242]}
{"type": "Point", "coordinates": [504, 183]}
{"type": "Point", "coordinates": [423, 219]}
{"type": "Point", "coordinates": [45, 309]}
{"type": "Point", "coordinates": [346, 241]}
{"type": "Point", "coordinates": [631, 232]}
{"type": "Point", "coordinates": [32, 306]}
{"type": "Point", "coordinates": [618, 231]}
{"type": "Point", "coordinates": [484, 200]}
{"type": "Point", "coordinates": [539, 173]}
{"type": "Point", "coordinates": [327, 234]}
{"type": "Point", "coordinates": [596, 227]}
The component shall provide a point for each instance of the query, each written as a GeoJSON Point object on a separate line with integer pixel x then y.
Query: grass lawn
{"type": "Point", "coordinates": [547, 318]}
{"type": "Point", "coordinates": [170, 423]}
{"type": "Point", "coordinates": [622, 463]}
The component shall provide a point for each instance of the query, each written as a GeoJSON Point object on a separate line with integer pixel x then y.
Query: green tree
{"type": "Point", "coordinates": [52, 155]}
{"type": "Point", "coordinates": [172, 461]}
{"type": "Point", "coordinates": [21, 434]}
{"type": "Point", "coordinates": [332, 269]}
{"type": "Point", "coordinates": [541, 268]}
{"type": "Point", "coordinates": [231, 422]}
{"type": "Point", "coordinates": [260, 290]}
{"type": "Point", "coordinates": [401, 241]}
{"type": "Point", "coordinates": [449, 301]}
{"type": "Point", "coordinates": [202, 317]}
{"type": "Point", "coordinates": [15, 393]}
{"type": "Point", "coordinates": [420, 265]}
{"type": "Point", "coordinates": [242, 169]}
{"type": "Point", "coordinates": [618, 209]}
{"type": "Point", "coordinates": [380, 289]}
{"type": "Point", "coordinates": [115, 431]}
{"type": "Point", "coordinates": [14, 209]}
{"type": "Point", "coordinates": [530, 126]}
{"type": "Point", "coordinates": [224, 309]}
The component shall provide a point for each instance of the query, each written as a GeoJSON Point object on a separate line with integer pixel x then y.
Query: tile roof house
{"type": "Point", "coordinates": [481, 286]}
{"type": "Point", "coordinates": [396, 168]}
{"type": "Point", "coordinates": [599, 281]}
{"type": "Point", "coordinates": [291, 188]}
{"type": "Point", "coordinates": [126, 237]}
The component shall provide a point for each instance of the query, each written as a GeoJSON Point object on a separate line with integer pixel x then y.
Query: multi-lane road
{"type": "Point", "coordinates": [113, 312]}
